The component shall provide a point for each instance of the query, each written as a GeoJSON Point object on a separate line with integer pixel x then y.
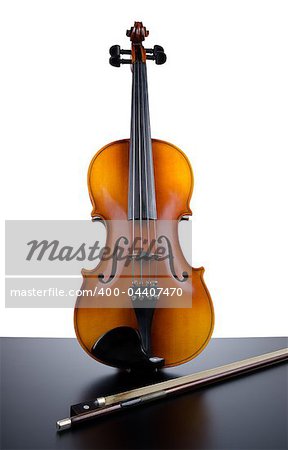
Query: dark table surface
{"type": "Point", "coordinates": [41, 378]}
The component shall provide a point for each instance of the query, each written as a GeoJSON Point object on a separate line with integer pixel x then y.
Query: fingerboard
{"type": "Point", "coordinates": [141, 196]}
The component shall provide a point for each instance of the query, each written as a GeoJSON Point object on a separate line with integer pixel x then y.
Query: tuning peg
{"type": "Point", "coordinates": [160, 58]}
{"type": "Point", "coordinates": [158, 48]}
{"type": "Point", "coordinates": [155, 49]}
{"type": "Point", "coordinates": [116, 61]}
{"type": "Point", "coordinates": [157, 55]}
{"type": "Point", "coordinates": [115, 51]}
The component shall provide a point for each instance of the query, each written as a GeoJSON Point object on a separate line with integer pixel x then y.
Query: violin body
{"type": "Point", "coordinates": [176, 334]}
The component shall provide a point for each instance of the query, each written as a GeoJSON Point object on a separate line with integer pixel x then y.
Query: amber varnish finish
{"type": "Point", "coordinates": [178, 334]}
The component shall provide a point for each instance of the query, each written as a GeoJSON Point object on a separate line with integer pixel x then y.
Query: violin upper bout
{"type": "Point", "coordinates": [174, 181]}
{"type": "Point", "coordinates": [108, 181]}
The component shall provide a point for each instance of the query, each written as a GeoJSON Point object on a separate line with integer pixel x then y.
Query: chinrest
{"type": "Point", "coordinates": [121, 347]}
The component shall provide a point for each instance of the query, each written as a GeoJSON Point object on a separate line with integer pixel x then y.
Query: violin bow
{"type": "Point", "coordinates": [106, 405]}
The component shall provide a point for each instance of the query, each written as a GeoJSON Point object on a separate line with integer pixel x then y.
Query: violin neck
{"type": "Point", "coordinates": [141, 196]}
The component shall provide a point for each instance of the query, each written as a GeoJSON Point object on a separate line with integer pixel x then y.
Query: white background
{"type": "Point", "coordinates": [221, 97]}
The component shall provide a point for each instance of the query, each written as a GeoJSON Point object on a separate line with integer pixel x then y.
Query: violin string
{"type": "Point", "coordinates": [133, 126]}
{"type": "Point", "coordinates": [154, 221]}
{"type": "Point", "coordinates": [144, 124]}
{"type": "Point", "coordinates": [141, 139]}
{"type": "Point", "coordinates": [140, 166]}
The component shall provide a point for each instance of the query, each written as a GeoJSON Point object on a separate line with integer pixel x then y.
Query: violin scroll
{"type": "Point", "coordinates": [137, 35]}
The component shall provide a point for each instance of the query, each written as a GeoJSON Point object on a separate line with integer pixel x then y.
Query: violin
{"type": "Point", "coordinates": [147, 308]}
